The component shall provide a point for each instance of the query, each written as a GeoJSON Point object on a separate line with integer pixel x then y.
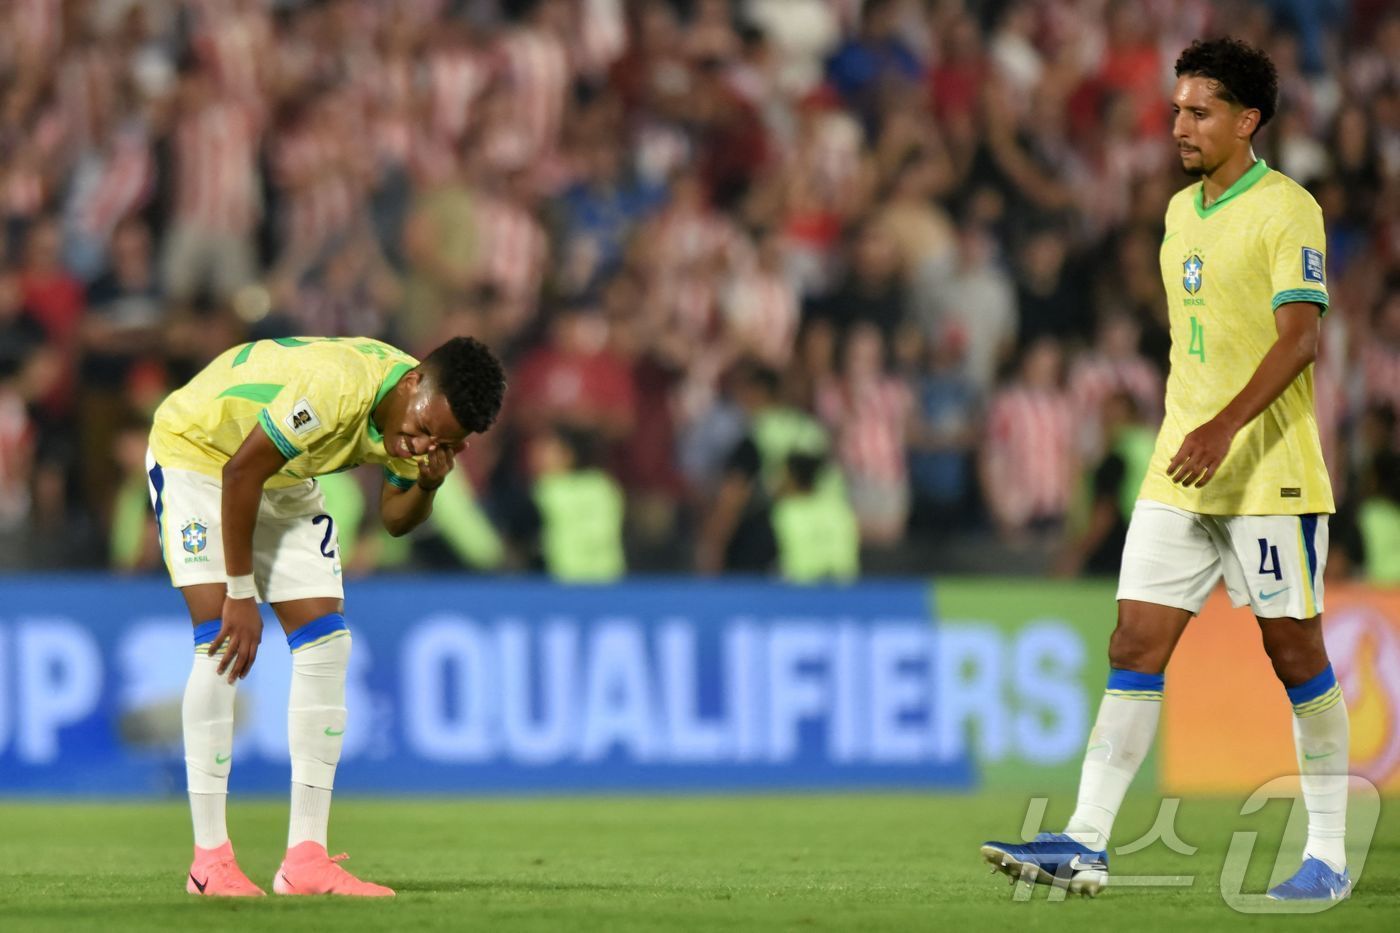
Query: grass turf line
{"type": "Point", "coordinates": [868, 863]}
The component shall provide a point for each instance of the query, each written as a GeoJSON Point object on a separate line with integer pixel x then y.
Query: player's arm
{"type": "Point", "coordinates": [402, 510]}
{"type": "Point", "coordinates": [1295, 348]}
{"type": "Point", "coordinates": [252, 465]}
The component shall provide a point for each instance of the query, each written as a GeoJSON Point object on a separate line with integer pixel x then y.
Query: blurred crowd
{"type": "Point", "coordinates": [810, 287]}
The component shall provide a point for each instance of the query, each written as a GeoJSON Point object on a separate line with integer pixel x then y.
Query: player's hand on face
{"type": "Point", "coordinates": [242, 630]}
{"type": "Point", "coordinates": [1200, 455]}
{"type": "Point", "coordinates": [437, 465]}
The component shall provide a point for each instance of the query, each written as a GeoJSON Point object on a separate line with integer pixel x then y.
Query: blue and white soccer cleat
{"type": "Point", "coordinates": [1051, 858]}
{"type": "Point", "coordinates": [1315, 881]}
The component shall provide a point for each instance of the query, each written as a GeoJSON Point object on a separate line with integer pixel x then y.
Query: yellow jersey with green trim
{"type": "Point", "coordinates": [312, 396]}
{"type": "Point", "coordinates": [1226, 269]}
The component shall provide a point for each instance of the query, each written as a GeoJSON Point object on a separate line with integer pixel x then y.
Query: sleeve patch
{"type": "Point", "coordinates": [1312, 265]}
{"type": "Point", "coordinates": [303, 419]}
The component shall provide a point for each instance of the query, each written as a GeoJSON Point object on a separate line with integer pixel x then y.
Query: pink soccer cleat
{"type": "Point", "coordinates": [307, 869]}
{"type": "Point", "coordinates": [215, 873]}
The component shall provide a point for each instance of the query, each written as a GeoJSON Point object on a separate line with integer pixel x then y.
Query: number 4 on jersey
{"type": "Point", "coordinates": [1198, 340]}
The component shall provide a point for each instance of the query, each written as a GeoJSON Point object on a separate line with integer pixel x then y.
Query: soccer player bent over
{"type": "Point", "coordinates": [232, 464]}
{"type": "Point", "coordinates": [1237, 486]}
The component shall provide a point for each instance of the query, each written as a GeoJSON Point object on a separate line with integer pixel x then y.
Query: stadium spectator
{"type": "Point", "coordinates": [575, 380]}
{"type": "Point", "coordinates": [347, 293]}
{"type": "Point", "coordinates": [978, 300]}
{"type": "Point", "coordinates": [123, 327]}
{"type": "Point", "coordinates": [876, 63]}
{"type": "Point", "coordinates": [1113, 365]}
{"type": "Point", "coordinates": [598, 214]}
{"type": "Point", "coordinates": [1028, 463]}
{"type": "Point", "coordinates": [441, 247]}
{"type": "Point", "coordinates": [23, 364]}
{"type": "Point", "coordinates": [873, 290]}
{"type": "Point", "coordinates": [944, 431]}
{"type": "Point", "coordinates": [1380, 357]}
{"type": "Point", "coordinates": [215, 198]}
{"type": "Point", "coordinates": [760, 307]}
{"type": "Point", "coordinates": [868, 410]}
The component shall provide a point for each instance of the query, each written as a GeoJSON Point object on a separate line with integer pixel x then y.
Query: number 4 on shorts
{"type": "Point", "coordinates": [1268, 554]}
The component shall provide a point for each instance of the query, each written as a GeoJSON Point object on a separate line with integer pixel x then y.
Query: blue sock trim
{"type": "Point", "coordinates": [1134, 682]}
{"type": "Point", "coordinates": [316, 629]}
{"type": "Point", "coordinates": [1314, 688]}
{"type": "Point", "coordinates": [204, 632]}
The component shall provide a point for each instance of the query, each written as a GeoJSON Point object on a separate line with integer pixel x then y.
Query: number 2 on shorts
{"type": "Point", "coordinates": [327, 551]}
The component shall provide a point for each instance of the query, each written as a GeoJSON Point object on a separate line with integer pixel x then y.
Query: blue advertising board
{"type": "Point", "coordinates": [465, 686]}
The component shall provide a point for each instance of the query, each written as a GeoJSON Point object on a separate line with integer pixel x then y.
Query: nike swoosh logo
{"type": "Point", "coordinates": [285, 881]}
{"type": "Point", "coordinates": [1076, 864]}
{"type": "Point", "coordinates": [334, 734]}
{"type": "Point", "coordinates": [196, 883]}
{"type": "Point", "coordinates": [220, 759]}
{"type": "Point", "coordinates": [1263, 595]}
{"type": "Point", "coordinates": [1094, 748]}
{"type": "Point", "coordinates": [1316, 757]}
{"type": "Point", "coordinates": [1169, 236]}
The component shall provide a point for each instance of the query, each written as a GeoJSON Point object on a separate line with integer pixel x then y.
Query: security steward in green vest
{"type": "Point", "coordinates": [1098, 551]}
{"type": "Point", "coordinates": [580, 508]}
{"type": "Point", "coordinates": [737, 533]}
{"type": "Point", "coordinates": [817, 534]}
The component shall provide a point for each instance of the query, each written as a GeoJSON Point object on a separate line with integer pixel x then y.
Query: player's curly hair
{"type": "Point", "coordinates": [466, 371]}
{"type": "Point", "coordinates": [1244, 74]}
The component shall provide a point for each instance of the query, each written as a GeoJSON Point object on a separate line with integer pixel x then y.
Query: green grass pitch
{"type": "Point", "coordinates": [858, 863]}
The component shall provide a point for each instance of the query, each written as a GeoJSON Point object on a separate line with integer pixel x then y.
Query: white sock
{"type": "Point", "coordinates": [315, 730]}
{"type": "Point", "coordinates": [1321, 734]}
{"type": "Point", "coordinates": [207, 718]}
{"type": "Point", "coordinates": [1121, 739]}
{"type": "Point", "coordinates": [311, 812]}
{"type": "Point", "coordinates": [210, 825]}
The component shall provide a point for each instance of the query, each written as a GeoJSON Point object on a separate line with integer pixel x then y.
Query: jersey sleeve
{"type": "Point", "coordinates": [305, 412]}
{"type": "Point", "coordinates": [1297, 257]}
{"type": "Point", "coordinates": [402, 474]}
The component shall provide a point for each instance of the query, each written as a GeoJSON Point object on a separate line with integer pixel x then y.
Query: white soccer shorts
{"type": "Point", "coordinates": [296, 554]}
{"type": "Point", "coordinates": [1273, 563]}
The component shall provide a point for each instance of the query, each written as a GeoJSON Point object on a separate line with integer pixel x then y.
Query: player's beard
{"type": "Point", "coordinates": [1197, 168]}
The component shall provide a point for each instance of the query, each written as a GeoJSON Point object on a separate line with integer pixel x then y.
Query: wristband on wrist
{"type": "Point", "coordinates": [242, 587]}
{"type": "Point", "coordinates": [429, 488]}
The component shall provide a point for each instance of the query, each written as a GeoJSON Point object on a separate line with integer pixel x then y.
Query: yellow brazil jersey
{"type": "Point", "coordinates": [311, 395]}
{"type": "Point", "coordinates": [1227, 268]}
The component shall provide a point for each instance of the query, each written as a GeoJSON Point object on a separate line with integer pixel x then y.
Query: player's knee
{"type": "Point", "coordinates": [1130, 649]}
{"type": "Point", "coordinates": [1295, 664]}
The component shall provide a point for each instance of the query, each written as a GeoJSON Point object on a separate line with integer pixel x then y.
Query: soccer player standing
{"type": "Point", "coordinates": [1237, 486]}
{"type": "Point", "coordinates": [232, 464]}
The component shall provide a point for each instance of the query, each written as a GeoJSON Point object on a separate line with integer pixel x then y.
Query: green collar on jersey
{"type": "Point", "coordinates": [389, 382]}
{"type": "Point", "coordinates": [1242, 184]}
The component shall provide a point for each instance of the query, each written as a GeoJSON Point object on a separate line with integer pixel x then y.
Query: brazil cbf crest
{"type": "Point", "coordinates": [1191, 273]}
{"type": "Point", "coordinates": [194, 535]}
